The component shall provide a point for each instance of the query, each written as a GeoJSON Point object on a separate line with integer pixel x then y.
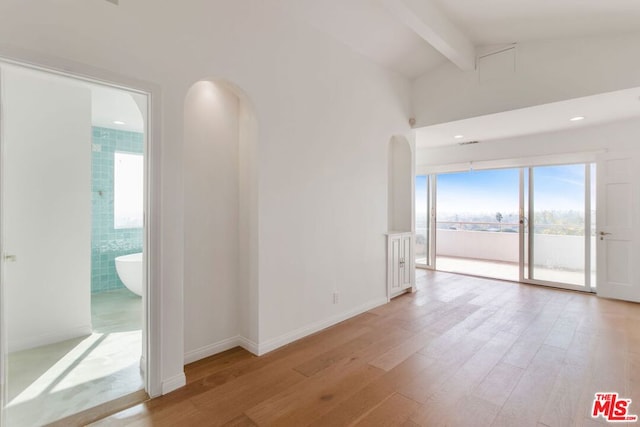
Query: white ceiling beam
{"type": "Point", "coordinates": [426, 20]}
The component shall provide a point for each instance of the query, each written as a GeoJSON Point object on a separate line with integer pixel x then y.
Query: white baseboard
{"type": "Point", "coordinates": [174, 383]}
{"type": "Point", "coordinates": [211, 349]}
{"type": "Point", "coordinates": [290, 337]}
{"type": "Point", "coordinates": [248, 345]}
{"type": "Point", "coordinates": [26, 343]}
{"type": "Point", "coordinates": [260, 349]}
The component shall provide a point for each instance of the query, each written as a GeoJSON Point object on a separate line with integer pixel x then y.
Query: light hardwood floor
{"type": "Point", "coordinates": [461, 351]}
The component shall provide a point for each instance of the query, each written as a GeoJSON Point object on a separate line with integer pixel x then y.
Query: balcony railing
{"type": "Point", "coordinates": [471, 247]}
{"type": "Point", "coordinates": [555, 245]}
{"type": "Point", "coordinates": [511, 227]}
{"type": "Point", "coordinates": [478, 226]}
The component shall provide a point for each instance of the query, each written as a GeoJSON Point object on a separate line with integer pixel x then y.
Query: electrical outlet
{"type": "Point", "coordinates": [335, 297]}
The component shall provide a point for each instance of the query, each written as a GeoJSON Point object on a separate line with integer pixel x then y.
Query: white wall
{"type": "Point", "coordinates": [623, 135]}
{"type": "Point", "coordinates": [400, 185]}
{"type": "Point", "coordinates": [324, 114]}
{"type": "Point", "coordinates": [248, 296]}
{"type": "Point", "coordinates": [211, 212]}
{"type": "Point", "coordinates": [47, 208]}
{"type": "Point", "coordinates": [549, 250]}
{"type": "Point", "coordinates": [546, 71]}
{"type": "Point", "coordinates": [478, 245]}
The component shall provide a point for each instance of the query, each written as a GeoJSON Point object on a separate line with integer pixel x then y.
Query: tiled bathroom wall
{"type": "Point", "coordinates": [107, 242]}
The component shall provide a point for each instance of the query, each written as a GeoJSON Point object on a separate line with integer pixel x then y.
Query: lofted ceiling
{"type": "Point", "coordinates": [515, 21]}
{"type": "Point", "coordinates": [368, 28]}
{"type": "Point", "coordinates": [414, 36]}
{"type": "Point", "coordinates": [116, 108]}
{"type": "Point", "coordinates": [594, 110]}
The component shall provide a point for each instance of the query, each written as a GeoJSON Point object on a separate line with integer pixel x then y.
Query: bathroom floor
{"type": "Point", "coordinates": [51, 382]}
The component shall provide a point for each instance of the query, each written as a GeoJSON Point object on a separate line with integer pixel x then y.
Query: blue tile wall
{"type": "Point", "coordinates": [106, 242]}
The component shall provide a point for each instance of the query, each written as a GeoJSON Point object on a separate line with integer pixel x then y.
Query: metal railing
{"type": "Point", "coordinates": [478, 226]}
{"type": "Point", "coordinates": [510, 227]}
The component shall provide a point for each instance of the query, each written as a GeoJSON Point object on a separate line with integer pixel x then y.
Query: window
{"type": "Point", "coordinates": [128, 184]}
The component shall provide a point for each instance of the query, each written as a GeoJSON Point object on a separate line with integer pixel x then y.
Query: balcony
{"type": "Point", "coordinates": [492, 250]}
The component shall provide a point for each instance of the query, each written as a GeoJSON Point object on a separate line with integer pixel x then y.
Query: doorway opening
{"type": "Point", "coordinates": [73, 244]}
{"type": "Point", "coordinates": [533, 224]}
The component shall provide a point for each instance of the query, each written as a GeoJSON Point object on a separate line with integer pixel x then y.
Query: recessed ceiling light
{"type": "Point", "coordinates": [576, 119]}
{"type": "Point", "coordinates": [118, 122]}
{"type": "Point", "coordinates": [459, 136]}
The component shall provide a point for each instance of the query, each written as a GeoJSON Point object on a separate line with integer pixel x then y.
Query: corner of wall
{"type": "Point", "coordinates": [219, 347]}
{"type": "Point", "coordinates": [300, 333]}
{"type": "Point", "coordinates": [174, 383]}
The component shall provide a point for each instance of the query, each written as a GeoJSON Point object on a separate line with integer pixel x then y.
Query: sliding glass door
{"type": "Point", "coordinates": [557, 238]}
{"type": "Point", "coordinates": [532, 224]}
{"type": "Point", "coordinates": [425, 221]}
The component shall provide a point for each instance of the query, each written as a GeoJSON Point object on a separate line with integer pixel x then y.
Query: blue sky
{"type": "Point", "coordinates": [556, 188]}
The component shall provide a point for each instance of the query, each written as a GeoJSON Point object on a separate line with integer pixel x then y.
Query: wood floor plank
{"type": "Point", "coordinates": [563, 405]}
{"type": "Point", "coordinates": [374, 393]}
{"type": "Point", "coordinates": [402, 352]}
{"type": "Point", "coordinates": [241, 421]}
{"type": "Point", "coordinates": [139, 416]}
{"type": "Point", "coordinates": [393, 411]}
{"type": "Point", "coordinates": [217, 363]}
{"type": "Point", "coordinates": [433, 378]}
{"type": "Point", "coordinates": [329, 357]}
{"type": "Point", "coordinates": [318, 396]}
{"type": "Point", "coordinates": [229, 401]}
{"type": "Point", "coordinates": [499, 383]}
{"type": "Point", "coordinates": [449, 396]}
{"type": "Point", "coordinates": [528, 400]}
{"type": "Point", "coordinates": [466, 411]}
{"type": "Point", "coordinates": [461, 351]}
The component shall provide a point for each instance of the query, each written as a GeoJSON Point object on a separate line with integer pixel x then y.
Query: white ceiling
{"type": "Point", "coordinates": [414, 36]}
{"type": "Point", "coordinates": [371, 29]}
{"type": "Point", "coordinates": [109, 105]}
{"type": "Point", "coordinates": [596, 110]}
{"type": "Point", "coordinates": [514, 21]}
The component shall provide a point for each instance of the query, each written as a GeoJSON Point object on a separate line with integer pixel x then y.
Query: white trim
{"type": "Point", "coordinates": [3, 325]}
{"type": "Point", "coordinates": [400, 292]}
{"type": "Point", "coordinates": [290, 337]}
{"type": "Point", "coordinates": [219, 347]}
{"type": "Point", "coordinates": [22, 343]}
{"type": "Point", "coordinates": [522, 162]}
{"type": "Point", "coordinates": [587, 228]}
{"type": "Point", "coordinates": [251, 346]}
{"type": "Point", "coordinates": [38, 60]}
{"type": "Point", "coordinates": [211, 349]}
{"type": "Point", "coordinates": [174, 383]}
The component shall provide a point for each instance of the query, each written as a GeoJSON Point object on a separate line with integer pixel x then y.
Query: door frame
{"type": "Point", "coordinates": [152, 302]}
{"type": "Point", "coordinates": [586, 157]}
{"type": "Point", "coordinates": [526, 228]}
{"type": "Point", "coordinates": [432, 180]}
{"type": "Point", "coordinates": [608, 288]}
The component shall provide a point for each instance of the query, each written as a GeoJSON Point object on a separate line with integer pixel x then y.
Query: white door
{"type": "Point", "coordinates": [46, 201]}
{"type": "Point", "coordinates": [394, 270]}
{"type": "Point", "coordinates": [617, 229]}
{"type": "Point", "coordinates": [406, 257]}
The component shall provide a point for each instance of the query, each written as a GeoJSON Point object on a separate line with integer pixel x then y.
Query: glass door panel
{"type": "Point", "coordinates": [477, 223]}
{"type": "Point", "coordinates": [423, 223]}
{"type": "Point", "coordinates": [555, 224]}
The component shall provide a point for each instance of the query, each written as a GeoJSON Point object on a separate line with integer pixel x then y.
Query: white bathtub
{"type": "Point", "coordinates": [129, 268]}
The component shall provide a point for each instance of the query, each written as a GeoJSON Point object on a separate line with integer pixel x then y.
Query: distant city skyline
{"type": "Point", "coordinates": [557, 188]}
